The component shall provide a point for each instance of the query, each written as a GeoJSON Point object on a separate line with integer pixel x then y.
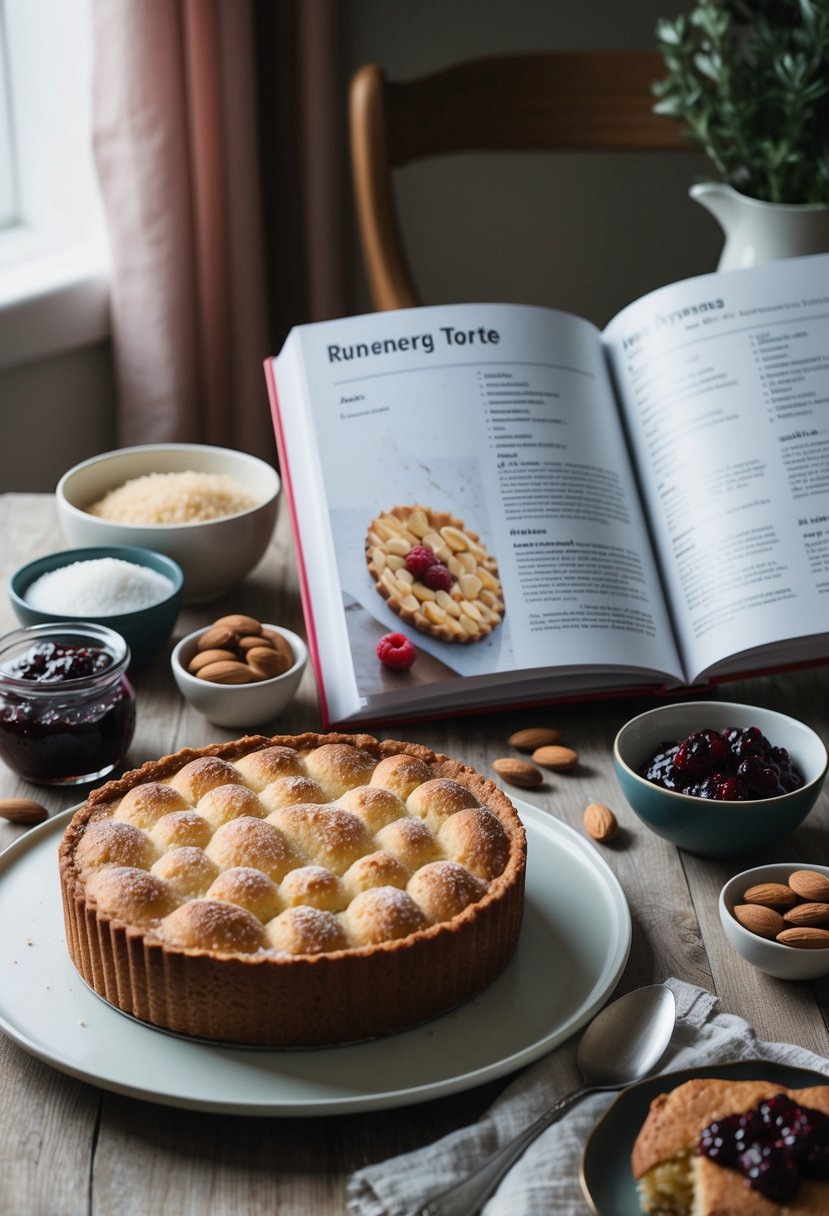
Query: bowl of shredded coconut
{"type": "Point", "coordinates": [211, 509]}
{"type": "Point", "coordinates": [131, 590]}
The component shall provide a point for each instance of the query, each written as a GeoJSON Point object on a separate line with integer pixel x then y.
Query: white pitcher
{"type": "Point", "coordinates": [757, 232]}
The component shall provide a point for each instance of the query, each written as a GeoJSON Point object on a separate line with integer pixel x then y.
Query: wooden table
{"type": "Point", "coordinates": [69, 1147]}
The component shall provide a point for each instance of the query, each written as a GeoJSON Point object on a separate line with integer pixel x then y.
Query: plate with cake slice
{"type": "Point", "coordinates": [746, 1138]}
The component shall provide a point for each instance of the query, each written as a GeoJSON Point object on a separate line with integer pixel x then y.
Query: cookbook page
{"type": "Point", "coordinates": [725, 384]}
{"type": "Point", "coordinates": [502, 417]}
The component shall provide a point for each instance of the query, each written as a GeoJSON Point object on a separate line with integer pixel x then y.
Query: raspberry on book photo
{"type": "Point", "coordinates": [396, 651]}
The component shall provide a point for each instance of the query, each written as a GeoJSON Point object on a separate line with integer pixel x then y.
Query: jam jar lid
{"type": "Point", "coordinates": [20, 643]}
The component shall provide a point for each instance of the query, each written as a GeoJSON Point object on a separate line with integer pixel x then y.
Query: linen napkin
{"type": "Point", "coordinates": [546, 1179]}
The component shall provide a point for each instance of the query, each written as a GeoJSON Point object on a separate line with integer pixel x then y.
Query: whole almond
{"type": "Point", "coordinates": [22, 810]}
{"type": "Point", "coordinates": [227, 671]}
{"type": "Point", "coordinates": [239, 623]}
{"type": "Point", "coordinates": [253, 640]}
{"type": "Point", "coordinates": [280, 644]}
{"type": "Point", "coordinates": [266, 662]}
{"type": "Point", "coordinates": [600, 822]}
{"type": "Point", "coordinates": [217, 637]}
{"type": "Point", "coordinates": [765, 922]}
{"type": "Point", "coordinates": [807, 914]}
{"type": "Point", "coordinates": [772, 894]}
{"type": "Point", "coordinates": [203, 657]}
{"type": "Point", "coordinates": [810, 885]}
{"type": "Point", "coordinates": [805, 939]}
{"type": "Point", "coordinates": [552, 756]}
{"type": "Point", "coordinates": [533, 737]}
{"type": "Point", "coordinates": [517, 772]}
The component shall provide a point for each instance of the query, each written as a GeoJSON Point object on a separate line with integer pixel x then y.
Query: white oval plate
{"type": "Point", "coordinates": [573, 947]}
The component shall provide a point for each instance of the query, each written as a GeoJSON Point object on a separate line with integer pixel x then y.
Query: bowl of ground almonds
{"type": "Point", "coordinates": [210, 509]}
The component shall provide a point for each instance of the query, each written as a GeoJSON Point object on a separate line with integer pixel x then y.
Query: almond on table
{"type": "Point", "coordinates": [559, 759]}
{"type": "Point", "coordinates": [600, 822]}
{"type": "Point", "coordinates": [23, 810]}
{"type": "Point", "coordinates": [518, 772]}
{"type": "Point", "coordinates": [533, 737]}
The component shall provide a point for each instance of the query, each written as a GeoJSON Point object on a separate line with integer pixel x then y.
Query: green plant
{"type": "Point", "coordinates": [751, 81]}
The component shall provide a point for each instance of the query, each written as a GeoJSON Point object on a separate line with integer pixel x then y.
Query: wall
{"type": "Point", "coordinates": [586, 234]}
{"type": "Point", "coordinates": [54, 412]}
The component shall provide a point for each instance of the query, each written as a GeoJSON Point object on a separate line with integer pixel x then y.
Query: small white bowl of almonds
{"type": "Point", "coordinates": [777, 917]}
{"type": "Point", "coordinates": [239, 672]}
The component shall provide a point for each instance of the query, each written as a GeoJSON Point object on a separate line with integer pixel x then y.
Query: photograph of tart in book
{"type": "Point", "coordinates": [435, 573]}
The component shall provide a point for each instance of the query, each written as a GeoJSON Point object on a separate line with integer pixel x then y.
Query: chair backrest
{"type": "Point", "coordinates": [576, 100]}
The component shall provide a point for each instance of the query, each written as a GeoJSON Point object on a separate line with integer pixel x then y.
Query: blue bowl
{"type": "Point", "coordinates": [705, 826]}
{"type": "Point", "coordinates": [145, 630]}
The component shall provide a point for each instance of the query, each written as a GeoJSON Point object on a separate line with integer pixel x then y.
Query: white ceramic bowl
{"type": "Point", "coordinates": [214, 555]}
{"type": "Point", "coordinates": [784, 962]}
{"type": "Point", "coordinates": [238, 706]}
{"type": "Point", "coordinates": [705, 826]}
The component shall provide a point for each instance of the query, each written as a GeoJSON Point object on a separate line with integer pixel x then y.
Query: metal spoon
{"type": "Point", "coordinates": [621, 1045]}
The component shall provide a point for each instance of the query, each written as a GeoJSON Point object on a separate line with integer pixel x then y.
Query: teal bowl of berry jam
{"type": "Point", "coordinates": [718, 778]}
{"type": "Point", "coordinates": [67, 708]}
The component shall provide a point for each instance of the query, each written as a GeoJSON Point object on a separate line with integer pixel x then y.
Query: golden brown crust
{"type": "Point", "coordinates": [671, 1133]}
{"type": "Point", "coordinates": [293, 923]}
{"type": "Point", "coordinates": [475, 604]}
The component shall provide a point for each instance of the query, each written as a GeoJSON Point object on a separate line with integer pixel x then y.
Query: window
{"type": "Point", "coordinates": [8, 176]}
{"type": "Point", "coordinates": [53, 253]}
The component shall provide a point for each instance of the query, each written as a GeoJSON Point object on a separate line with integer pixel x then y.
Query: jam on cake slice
{"type": "Point", "coordinates": [435, 573]}
{"type": "Point", "coordinates": [715, 1147]}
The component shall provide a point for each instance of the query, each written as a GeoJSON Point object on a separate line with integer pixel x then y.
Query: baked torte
{"type": "Point", "coordinates": [293, 891]}
{"type": "Point", "coordinates": [435, 573]}
{"type": "Point", "coordinates": [714, 1147]}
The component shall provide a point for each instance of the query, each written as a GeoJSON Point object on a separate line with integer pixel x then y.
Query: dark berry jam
{"type": "Point", "coordinates": [67, 710]}
{"type": "Point", "coordinates": [52, 662]}
{"type": "Point", "coordinates": [735, 764]}
{"type": "Point", "coordinates": [774, 1145]}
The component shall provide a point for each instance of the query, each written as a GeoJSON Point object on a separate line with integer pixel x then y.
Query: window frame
{"type": "Point", "coordinates": [8, 171]}
{"type": "Point", "coordinates": [54, 257]}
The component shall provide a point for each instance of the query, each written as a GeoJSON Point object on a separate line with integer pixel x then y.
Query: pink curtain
{"type": "Point", "coordinates": [177, 122]}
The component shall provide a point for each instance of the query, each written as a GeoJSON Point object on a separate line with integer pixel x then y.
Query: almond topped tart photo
{"type": "Point", "coordinates": [294, 891]}
{"type": "Point", "coordinates": [434, 573]}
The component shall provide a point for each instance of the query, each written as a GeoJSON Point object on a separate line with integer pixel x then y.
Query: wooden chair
{"type": "Point", "coordinates": [565, 100]}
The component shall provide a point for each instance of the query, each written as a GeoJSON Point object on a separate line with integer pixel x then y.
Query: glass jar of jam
{"type": "Point", "coordinates": [67, 709]}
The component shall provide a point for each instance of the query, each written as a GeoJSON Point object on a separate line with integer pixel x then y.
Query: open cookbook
{"type": "Point", "coordinates": [640, 508]}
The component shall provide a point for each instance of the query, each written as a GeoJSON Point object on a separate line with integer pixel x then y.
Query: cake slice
{"type": "Point", "coordinates": [676, 1178]}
